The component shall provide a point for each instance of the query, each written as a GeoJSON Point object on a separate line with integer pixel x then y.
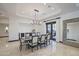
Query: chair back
{"type": "Point", "coordinates": [38, 33]}
{"type": "Point", "coordinates": [22, 35]}
{"type": "Point", "coordinates": [30, 37]}
{"type": "Point", "coordinates": [48, 37]}
{"type": "Point", "coordinates": [33, 34]}
{"type": "Point", "coordinates": [27, 35]}
{"type": "Point", "coordinates": [21, 39]}
{"type": "Point", "coordinates": [43, 37]}
{"type": "Point", "coordinates": [34, 39]}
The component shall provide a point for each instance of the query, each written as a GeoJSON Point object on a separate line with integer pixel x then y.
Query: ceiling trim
{"type": "Point", "coordinates": [23, 16]}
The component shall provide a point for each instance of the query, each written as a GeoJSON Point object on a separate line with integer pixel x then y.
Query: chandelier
{"type": "Point", "coordinates": [35, 20]}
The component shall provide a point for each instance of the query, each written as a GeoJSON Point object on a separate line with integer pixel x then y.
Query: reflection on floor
{"type": "Point", "coordinates": [3, 41]}
{"type": "Point", "coordinates": [55, 49]}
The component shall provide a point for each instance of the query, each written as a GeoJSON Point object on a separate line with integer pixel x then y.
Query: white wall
{"type": "Point", "coordinates": [15, 26]}
{"type": "Point", "coordinates": [73, 31]}
{"type": "Point", "coordinates": [18, 24]}
{"type": "Point", "coordinates": [43, 28]}
{"type": "Point", "coordinates": [2, 28]}
{"type": "Point", "coordinates": [24, 27]}
{"type": "Point", "coordinates": [6, 21]}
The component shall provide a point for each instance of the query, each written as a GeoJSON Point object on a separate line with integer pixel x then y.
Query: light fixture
{"type": "Point", "coordinates": [35, 20]}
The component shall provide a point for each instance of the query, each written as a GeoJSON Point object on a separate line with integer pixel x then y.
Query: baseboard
{"type": "Point", "coordinates": [3, 36]}
{"type": "Point", "coordinates": [13, 40]}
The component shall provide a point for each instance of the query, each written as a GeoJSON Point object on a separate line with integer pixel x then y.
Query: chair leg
{"type": "Point", "coordinates": [32, 49]}
{"type": "Point", "coordinates": [20, 47]}
{"type": "Point", "coordinates": [40, 46]}
{"type": "Point", "coordinates": [28, 46]}
{"type": "Point", "coordinates": [49, 42]}
{"type": "Point", "coordinates": [44, 44]}
{"type": "Point", "coordinates": [37, 47]}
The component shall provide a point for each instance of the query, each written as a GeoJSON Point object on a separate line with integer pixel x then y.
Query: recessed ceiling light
{"type": "Point", "coordinates": [36, 10]}
{"type": "Point", "coordinates": [51, 7]}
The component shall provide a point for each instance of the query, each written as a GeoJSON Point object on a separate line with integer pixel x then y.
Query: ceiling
{"type": "Point", "coordinates": [26, 10]}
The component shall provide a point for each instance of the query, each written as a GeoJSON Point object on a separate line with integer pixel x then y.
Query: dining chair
{"type": "Point", "coordinates": [22, 41]}
{"type": "Point", "coordinates": [33, 34]}
{"type": "Point", "coordinates": [27, 35]}
{"type": "Point", "coordinates": [48, 37]}
{"type": "Point", "coordinates": [38, 33]}
{"type": "Point", "coordinates": [42, 40]}
{"type": "Point", "coordinates": [34, 42]}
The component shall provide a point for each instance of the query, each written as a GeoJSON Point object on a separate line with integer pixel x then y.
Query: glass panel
{"type": "Point", "coordinates": [54, 31]}
{"type": "Point", "coordinates": [49, 28]}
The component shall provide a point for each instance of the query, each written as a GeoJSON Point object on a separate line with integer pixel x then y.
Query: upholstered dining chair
{"type": "Point", "coordinates": [22, 41]}
{"type": "Point", "coordinates": [48, 37]}
{"type": "Point", "coordinates": [27, 35]}
{"type": "Point", "coordinates": [42, 40]}
{"type": "Point", "coordinates": [34, 42]}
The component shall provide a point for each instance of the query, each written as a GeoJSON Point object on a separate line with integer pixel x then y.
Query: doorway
{"type": "Point", "coordinates": [71, 32]}
{"type": "Point", "coordinates": [4, 34]}
{"type": "Point", "coordinates": [51, 28]}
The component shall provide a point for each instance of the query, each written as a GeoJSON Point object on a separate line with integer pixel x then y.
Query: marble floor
{"type": "Point", "coordinates": [55, 49]}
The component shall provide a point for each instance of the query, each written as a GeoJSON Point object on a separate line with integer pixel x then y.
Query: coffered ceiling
{"type": "Point", "coordinates": [26, 10]}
